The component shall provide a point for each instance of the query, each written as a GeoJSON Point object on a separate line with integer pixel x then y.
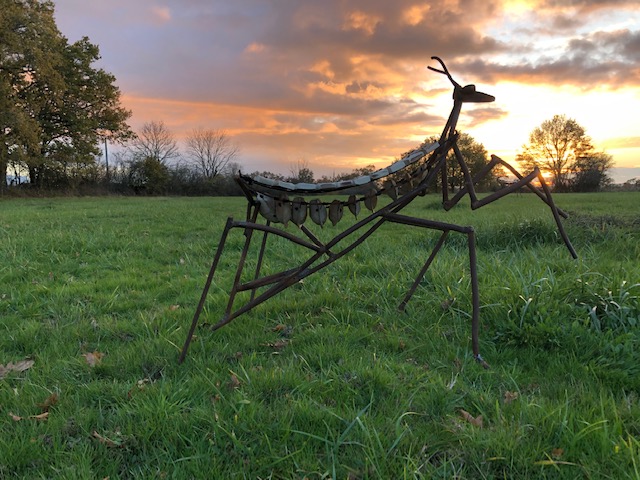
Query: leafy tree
{"type": "Point", "coordinates": [554, 146]}
{"type": "Point", "coordinates": [155, 141]}
{"type": "Point", "coordinates": [267, 174]}
{"type": "Point", "coordinates": [210, 151]}
{"type": "Point", "coordinates": [631, 184]}
{"type": "Point", "coordinates": [57, 106]}
{"type": "Point", "coordinates": [590, 172]}
{"type": "Point", "coordinates": [149, 176]}
{"type": "Point", "coordinates": [356, 172]}
{"type": "Point", "coordinates": [475, 156]}
{"type": "Point", "coordinates": [151, 149]}
{"type": "Point", "coordinates": [27, 31]}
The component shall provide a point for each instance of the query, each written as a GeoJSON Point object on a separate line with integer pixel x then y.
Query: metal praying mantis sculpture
{"type": "Point", "coordinates": [403, 181]}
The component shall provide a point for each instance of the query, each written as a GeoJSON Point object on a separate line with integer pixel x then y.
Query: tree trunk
{"type": "Point", "coordinates": [3, 176]}
{"type": "Point", "coordinates": [34, 177]}
{"type": "Point", "coordinates": [4, 164]}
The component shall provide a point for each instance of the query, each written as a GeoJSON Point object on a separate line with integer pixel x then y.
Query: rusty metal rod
{"type": "Point", "coordinates": [248, 233]}
{"type": "Point", "coordinates": [263, 246]}
{"type": "Point", "coordinates": [556, 216]}
{"type": "Point", "coordinates": [280, 233]}
{"type": "Point", "coordinates": [205, 290]}
{"type": "Point", "coordinates": [475, 298]}
{"type": "Point", "coordinates": [530, 187]}
{"type": "Point", "coordinates": [294, 277]}
{"type": "Point", "coordinates": [421, 222]}
{"type": "Point", "coordinates": [424, 269]}
{"type": "Point", "coordinates": [505, 191]}
{"type": "Point", "coordinates": [264, 281]}
{"type": "Point", "coordinates": [465, 172]}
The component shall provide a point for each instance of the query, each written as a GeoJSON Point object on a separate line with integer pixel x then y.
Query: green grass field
{"type": "Point", "coordinates": [327, 380]}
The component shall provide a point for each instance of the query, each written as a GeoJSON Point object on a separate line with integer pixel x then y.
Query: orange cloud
{"type": "Point", "coordinates": [415, 14]}
{"type": "Point", "coordinates": [323, 67]}
{"type": "Point", "coordinates": [255, 47]}
{"type": "Point", "coordinates": [270, 139]}
{"type": "Point", "coordinates": [359, 20]}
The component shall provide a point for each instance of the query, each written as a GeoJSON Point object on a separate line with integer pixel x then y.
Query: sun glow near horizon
{"type": "Point", "coordinates": [504, 137]}
{"type": "Point", "coordinates": [528, 106]}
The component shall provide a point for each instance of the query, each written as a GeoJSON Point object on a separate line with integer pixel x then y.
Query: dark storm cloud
{"type": "Point", "coordinates": [254, 52]}
{"type": "Point", "coordinates": [589, 5]}
{"type": "Point", "coordinates": [599, 59]}
{"type": "Point", "coordinates": [578, 70]}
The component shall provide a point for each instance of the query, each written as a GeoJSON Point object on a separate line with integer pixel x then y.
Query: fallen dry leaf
{"type": "Point", "coordinates": [41, 417]}
{"type": "Point", "coordinates": [553, 462]}
{"type": "Point", "coordinates": [283, 330]}
{"type": "Point", "coordinates": [476, 421]}
{"type": "Point", "coordinates": [277, 345]}
{"type": "Point", "coordinates": [106, 441]}
{"type": "Point", "coordinates": [234, 382]}
{"type": "Point", "coordinates": [93, 358]}
{"type": "Point", "coordinates": [510, 396]}
{"type": "Point", "coordinates": [49, 402]}
{"type": "Point", "coordinates": [15, 367]}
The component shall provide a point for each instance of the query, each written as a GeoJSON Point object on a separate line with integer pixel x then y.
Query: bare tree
{"type": "Point", "coordinates": [233, 168]}
{"type": "Point", "coordinates": [211, 150]}
{"type": "Point", "coordinates": [554, 146]}
{"type": "Point", "coordinates": [155, 141]}
{"type": "Point", "coordinates": [300, 172]}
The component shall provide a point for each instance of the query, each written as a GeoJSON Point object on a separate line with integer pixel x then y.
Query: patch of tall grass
{"type": "Point", "coordinates": [327, 380]}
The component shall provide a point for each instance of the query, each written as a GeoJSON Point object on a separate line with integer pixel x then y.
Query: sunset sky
{"type": "Point", "coordinates": [343, 84]}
